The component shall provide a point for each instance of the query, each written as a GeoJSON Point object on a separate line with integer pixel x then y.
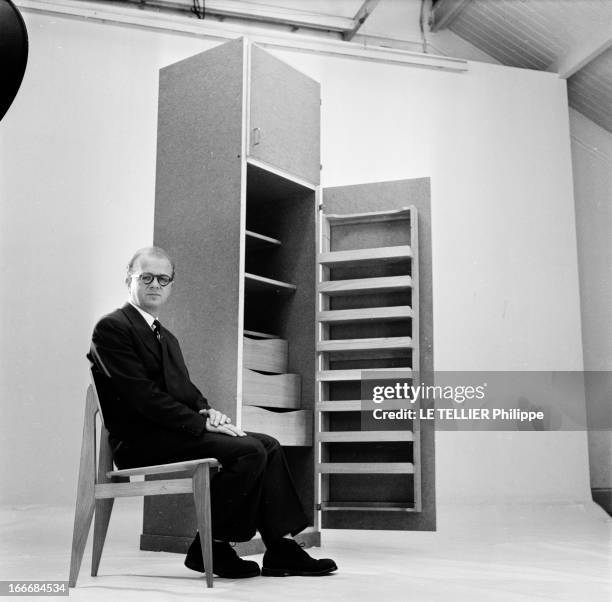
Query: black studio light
{"type": "Point", "coordinates": [13, 53]}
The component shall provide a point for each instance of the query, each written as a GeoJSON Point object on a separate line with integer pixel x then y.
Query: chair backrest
{"type": "Point", "coordinates": [101, 453]}
{"type": "Point", "coordinates": [92, 379]}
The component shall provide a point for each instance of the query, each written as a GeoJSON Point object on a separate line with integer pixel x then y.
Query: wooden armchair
{"type": "Point", "coordinates": [98, 488]}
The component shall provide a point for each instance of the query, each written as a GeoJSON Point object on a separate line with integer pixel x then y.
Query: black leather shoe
{"type": "Point", "coordinates": [226, 563]}
{"type": "Point", "coordinates": [288, 558]}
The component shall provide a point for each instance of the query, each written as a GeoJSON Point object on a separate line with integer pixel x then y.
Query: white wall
{"type": "Point", "coordinates": [496, 145]}
{"type": "Point", "coordinates": [77, 160]}
{"type": "Point", "coordinates": [592, 166]}
{"type": "Point", "coordinates": [77, 189]}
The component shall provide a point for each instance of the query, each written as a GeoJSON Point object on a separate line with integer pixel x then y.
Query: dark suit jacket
{"type": "Point", "coordinates": [144, 387]}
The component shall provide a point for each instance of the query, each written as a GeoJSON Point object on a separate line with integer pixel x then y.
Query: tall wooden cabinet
{"type": "Point", "coordinates": [237, 199]}
{"type": "Point", "coordinates": [237, 174]}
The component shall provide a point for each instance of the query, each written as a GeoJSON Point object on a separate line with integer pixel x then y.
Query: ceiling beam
{"type": "Point", "coordinates": [359, 19]}
{"type": "Point", "coordinates": [577, 56]}
{"type": "Point", "coordinates": [445, 12]}
{"type": "Point", "coordinates": [112, 13]}
{"type": "Point", "coordinates": [238, 9]}
{"type": "Point", "coordinates": [275, 14]}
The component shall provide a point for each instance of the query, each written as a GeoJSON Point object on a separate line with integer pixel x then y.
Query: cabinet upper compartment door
{"type": "Point", "coordinates": [285, 109]}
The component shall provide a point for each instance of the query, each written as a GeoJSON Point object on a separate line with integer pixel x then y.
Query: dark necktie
{"type": "Point", "coordinates": [173, 377]}
{"type": "Point", "coordinates": [157, 329]}
{"type": "Point", "coordinates": [164, 350]}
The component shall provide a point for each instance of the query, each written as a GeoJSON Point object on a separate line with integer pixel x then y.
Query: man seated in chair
{"type": "Point", "coordinates": [156, 415]}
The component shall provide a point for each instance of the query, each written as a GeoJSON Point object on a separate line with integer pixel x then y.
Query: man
{"type": "Point", "coordinates": [155, 414]}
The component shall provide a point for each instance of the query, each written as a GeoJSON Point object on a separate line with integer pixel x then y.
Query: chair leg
{"type": "Point", "coordinates": [201, 496]}
{"type": "Point", "coordinates": [104, 507]}
{"type": "Point", "coordinates": [85, 502]}
{"type": "Point", "coordinates": [82, 521]}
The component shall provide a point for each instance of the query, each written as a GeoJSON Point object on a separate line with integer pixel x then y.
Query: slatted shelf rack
{"type": "Point", "coordinates": [399, 345]}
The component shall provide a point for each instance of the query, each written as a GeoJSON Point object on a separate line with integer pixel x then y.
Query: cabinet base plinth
{"type": "Point", "coordinates": [179, 544]}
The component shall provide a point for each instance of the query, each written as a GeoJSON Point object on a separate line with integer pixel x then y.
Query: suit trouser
{"type": "Point", "coordinates": [253, 490]}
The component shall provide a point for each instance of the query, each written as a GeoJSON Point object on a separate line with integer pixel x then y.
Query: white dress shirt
{"type": "Point", "coordinates": [146, 315]}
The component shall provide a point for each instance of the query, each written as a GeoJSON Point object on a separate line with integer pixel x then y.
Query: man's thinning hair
{"type": "Point", "coordinates": [151, 251]}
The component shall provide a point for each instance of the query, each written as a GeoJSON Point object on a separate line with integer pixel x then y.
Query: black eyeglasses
{"type": "Point", "coordinates": [147, 278]}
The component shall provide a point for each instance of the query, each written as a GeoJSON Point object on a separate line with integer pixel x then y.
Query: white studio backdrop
{"type": "Point", "coordinates": [77, 175]}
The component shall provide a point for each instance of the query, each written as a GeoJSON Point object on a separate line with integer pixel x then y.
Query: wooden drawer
{"type": "Point", "coordinates": [271, 390]}
{"type": "Point", "coordinates": [290, 428]}
{"type": "Point", "coordinates": [268, 355]}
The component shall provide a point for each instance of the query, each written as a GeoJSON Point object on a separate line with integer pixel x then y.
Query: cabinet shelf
{"type": "Point", "coordinates": [372, 506]}
{"type": "Point", "coordinates": [364, 256]}
{"type": "Point", "coordinates": [279, 174]}
{"type": "Point", "coordinates": [386, 284]}
{"type": "Point", "coordinates": [360, 436]}
{"type": "Point", "coordinates": [356, 374]}
{"type": "Point", "coordinates": [344, 405]}
{"type": "Point", "coordinates": [395, 312]}
{"type": "Point", "coordinates": [381, 343]}
{"type": "Point", "coordinates": [369, 217]}
{"type": "Point", "coordinates": [378, 348]}
{"type": "Point", "coordinates": [356, 405]}
{"type": "Point", "coordinates": [365, 468]}
{"type": "Point", "coordinates": [260, 335]}
{"type": "Point", "coordinates": [255, 241]}
{"type": "Point", "coordinates": [261, 284]}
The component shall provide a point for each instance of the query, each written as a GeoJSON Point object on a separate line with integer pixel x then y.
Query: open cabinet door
{"type": "Point", "coordinates": [374, 317]}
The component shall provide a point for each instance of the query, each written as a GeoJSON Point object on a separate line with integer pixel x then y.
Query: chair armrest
{"type": "Point", "coordinates": [187, 466]}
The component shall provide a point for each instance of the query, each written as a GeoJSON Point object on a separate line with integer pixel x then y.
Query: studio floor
{"type": "Point", "coordinates": [509, 553]}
